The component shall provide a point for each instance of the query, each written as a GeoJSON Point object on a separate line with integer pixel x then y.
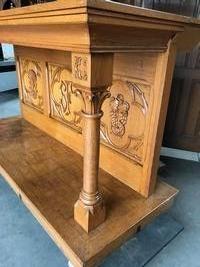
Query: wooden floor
{"type": "Point", "coordinates": [47, 176]}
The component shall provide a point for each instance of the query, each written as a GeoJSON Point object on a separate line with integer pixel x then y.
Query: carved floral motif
{"type": "Point", "coordinates": [66, 104]}
{"type": "Point", "coordinates": [31, 72]}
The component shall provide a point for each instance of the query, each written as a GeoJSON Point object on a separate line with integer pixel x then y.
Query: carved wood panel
{"type": "Point", "coordinates": [32, 83]}
{"type": "Point", "coordinates": [65, 102]}
{"type": "Point", "coordinates": [129, 114]}
{"type": "Point", "coordinates": [125, 115]}
{"type": "Point", "coordinates": [125, 112]}
{"type": "Point", "coordinates": [124, 124]}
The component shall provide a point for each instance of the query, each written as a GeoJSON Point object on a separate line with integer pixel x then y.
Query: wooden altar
{"type": "Point", "coordinates": [94, 78]}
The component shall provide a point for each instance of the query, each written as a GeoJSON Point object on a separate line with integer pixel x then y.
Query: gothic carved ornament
{"type": "Point", "coordinates": [80, 68]}
{"type": "Point", "coordinates": [125, 105]}
{"type": "Point", "coordinates": [125, 115]}
{"type": "Point", "coordinates": [65, 101]}
{"type": "Point", "coordinates": [32, 83]}
{"type": "Point", "coordinates": [119, 114]}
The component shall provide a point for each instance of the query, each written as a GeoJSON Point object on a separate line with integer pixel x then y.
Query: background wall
{"type": "Point", "coordinates": [8, 80]}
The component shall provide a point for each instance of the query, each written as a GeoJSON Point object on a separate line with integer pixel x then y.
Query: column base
{"type": "Point", "coordinates": [89, 217]}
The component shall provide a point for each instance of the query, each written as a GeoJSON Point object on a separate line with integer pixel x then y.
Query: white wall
{"type": "Point", "coordinates": [8, 51]}
{"type": "Point", "coordinates": [8, 80]}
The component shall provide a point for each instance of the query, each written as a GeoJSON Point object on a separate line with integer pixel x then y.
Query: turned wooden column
{"type": "Point", "coordinates": [92, 75]}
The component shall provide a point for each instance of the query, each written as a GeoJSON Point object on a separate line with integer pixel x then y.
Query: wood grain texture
{"type": "Point", "coordinates": [127, 138]}
{"type": "Point", "coordinates": [163, 79]}
{"type": "Point", "coordinates": [65, 103]}
{"type": "Point", "coordinates": [91, 75]}
{"type": "Point", "coordinates": [106, 49]}
{"type": "Point", "coordinates": [47, 176]}
{"type": "Point", "coordinates": [32, 83]}
{"type": "Point", "coordinates": [63, 21]}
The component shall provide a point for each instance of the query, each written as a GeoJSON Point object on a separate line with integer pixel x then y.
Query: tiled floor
{"type": "Point", "coordinates": [24, 243]}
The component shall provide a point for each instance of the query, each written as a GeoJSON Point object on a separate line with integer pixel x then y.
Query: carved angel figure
{"type": "Point", "coordinates": [119, 114]}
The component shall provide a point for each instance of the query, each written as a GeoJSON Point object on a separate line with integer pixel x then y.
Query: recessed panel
{"type": "Point", "coordinates": [32, 83]}
{"type": "Point", "coordinates": [65, 101]}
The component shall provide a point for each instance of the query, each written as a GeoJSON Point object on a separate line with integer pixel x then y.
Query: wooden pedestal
{"type": "Point", "coordinates": [46, 175]}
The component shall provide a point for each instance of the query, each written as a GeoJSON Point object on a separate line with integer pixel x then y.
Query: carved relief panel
{"type": "Point", "coordinates": [123, 125]}
{"type": "Point", "coordinates": [32, 83]}
{"type": "Point", "coordinates": [65, 102]}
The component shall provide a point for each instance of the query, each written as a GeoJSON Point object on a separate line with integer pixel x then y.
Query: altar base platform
{"type": "Point", "coordinates": [47, 176]}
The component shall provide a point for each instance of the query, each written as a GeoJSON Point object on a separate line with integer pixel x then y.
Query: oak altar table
{"type": "Point", "coordinates": [94, 82]}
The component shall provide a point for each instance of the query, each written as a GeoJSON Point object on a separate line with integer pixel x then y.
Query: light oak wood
{"type": "Point", "coordinates": [87, 20]}
{"type": "Point", "coordinates": [92, 74]}
{"type": "Point", "coordinates": [163, 78]}
{"type": "Point", "coordinates": [47, 176]}
{"type": "Point", "coordinates": [130, 148]}
{"type": "Point", "coordinates": [70, 56]}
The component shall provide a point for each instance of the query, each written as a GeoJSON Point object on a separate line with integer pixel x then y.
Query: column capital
{"type": "Point", "coordinates": [93, 100]}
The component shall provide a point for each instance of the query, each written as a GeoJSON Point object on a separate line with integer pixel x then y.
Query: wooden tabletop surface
{"type": "Point", "coordinates": [95, 25]}
{"type": "Point", "coordinates": [71, 7]}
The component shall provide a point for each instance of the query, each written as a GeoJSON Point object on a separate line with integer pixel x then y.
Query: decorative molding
{"type": "Point", "coordinates": [123, 125]}
{"type": "Point", "coordinates": [32, 83]}
{"type": "Point", "coordinates": [80, 67]}
{"type": "Point", "coordinates": [65, 102]}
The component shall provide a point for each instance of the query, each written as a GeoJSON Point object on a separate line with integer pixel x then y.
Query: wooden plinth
{"type": "Point", "coordinates": [48, 178]}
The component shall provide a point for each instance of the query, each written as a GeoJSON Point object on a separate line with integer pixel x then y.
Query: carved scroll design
{"type": "Point", "coordinates": [32, 83]}
{"type": "Point", "coordinates": [65, 101]}
{"type": "Point", "coordinates": [127, 106]}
